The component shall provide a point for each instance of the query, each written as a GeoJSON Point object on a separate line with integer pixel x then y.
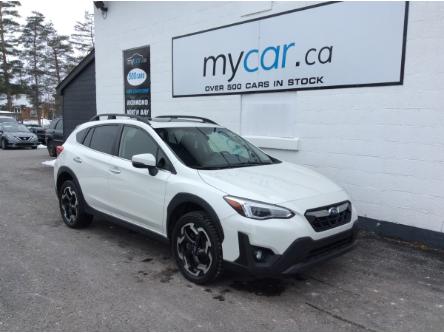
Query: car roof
{"type": "Point", "coordinates": [162, 121]}
{"type": "Point", "coordinates": [154, 123]}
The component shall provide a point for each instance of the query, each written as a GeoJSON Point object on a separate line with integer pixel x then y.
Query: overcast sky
{"type": "Point", "coordinates": [62, 13]}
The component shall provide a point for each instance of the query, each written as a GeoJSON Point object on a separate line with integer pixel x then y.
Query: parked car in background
{"type": "Point", "coordinates": [39, 131]}
{"type": "Point", "coordinates": [4, 119]}
{"type": "Point", "coordinates": [15, 135]}
{"type": "Point", "coordinates": [218, 199]}
{"type": "Point", "coordinates": [54, 136]}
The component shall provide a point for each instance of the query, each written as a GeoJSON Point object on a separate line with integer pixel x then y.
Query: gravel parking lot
{"type": "Point", "coordinates": [108, 278]}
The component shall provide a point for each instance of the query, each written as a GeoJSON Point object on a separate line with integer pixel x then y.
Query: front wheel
{"type": "Point", "coordinates": [197, 247]}
{"type": "Point", "coordinates": [71, 206]}
{"type": "Point", "coordinates": [4, 145]}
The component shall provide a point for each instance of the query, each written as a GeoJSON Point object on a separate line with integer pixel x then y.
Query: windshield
{"type": "Point", "coordinates": [11, 127]}
{"type": "Point", "coordinates": [7, 120]}
{"type": "Point", "coordinates": [212, 148]}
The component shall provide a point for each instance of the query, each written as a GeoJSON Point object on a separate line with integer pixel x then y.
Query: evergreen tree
{"type": "Point", "coordinates": [83, 38]}
{"type": "Point", "coordinates": [33, 41]}
{"type": "Point", "coordinates": [60, 61]}
{"type": "Point", "coordinates": [60, 54]}
{"type": "Point", "coordinates": [10, 65]}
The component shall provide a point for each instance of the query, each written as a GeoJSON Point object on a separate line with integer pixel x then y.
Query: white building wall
{"type": "Point", "coordinates": [384, 145]}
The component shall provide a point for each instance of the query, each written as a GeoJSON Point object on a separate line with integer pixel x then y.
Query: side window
{"type": "Point", "coordinates": [80, 136]}
{"type": "Point", "coordinates": [54, 123]}
{"type": "Point", "coordinates": [87, 140]}
{"type": "Point", "coordinates": [59, 125]}
{"type": "Point", "coordinates": [103, 138]}
{"type": "Point", "coordinates": [136, 141]}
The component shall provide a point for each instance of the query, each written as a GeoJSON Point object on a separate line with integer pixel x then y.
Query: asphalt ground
{"type": "Point", "coordinates": [106, 277]}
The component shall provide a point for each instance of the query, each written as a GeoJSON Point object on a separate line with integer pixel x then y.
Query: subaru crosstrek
{"type": "Point", "coordinates": [216, 198]}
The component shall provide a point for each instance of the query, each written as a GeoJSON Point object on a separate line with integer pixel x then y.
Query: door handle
{"type": "Point", "coordinates": [116, 171]}
{"type": "Point", "coordinates": [77, 159]}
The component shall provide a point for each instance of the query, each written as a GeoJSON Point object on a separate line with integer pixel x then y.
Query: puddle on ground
{"type": "Point", "coordinates": [167, 274]}
{"type": "Point", "coordinates": [221, 296]}
{"type": "Point", "coordinates": [261, 287]}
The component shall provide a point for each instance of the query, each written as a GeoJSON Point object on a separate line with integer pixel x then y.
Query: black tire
{"type": "Point", "coordinates": [72, 206]}
{"type": "Point", "coordinates": [4, 146]}
{"type": "Point", "coordinates": [34, 147]}
{"type": "Point", "coordinates": [189, 256]}
{"type": "Point", "coordinates": [52, 149]}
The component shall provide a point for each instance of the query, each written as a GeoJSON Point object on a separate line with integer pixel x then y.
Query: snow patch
{"type": "Point", "coordinates": [41, 147]}
{"type": "Point", "coordinates": [49, 163]}
{"type": "Point", "coordinates": [44, 122]}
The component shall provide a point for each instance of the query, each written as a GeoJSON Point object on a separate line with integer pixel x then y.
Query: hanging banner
{"type": "Point", "coordinates": [327, 45]}
{"type": "Point", "coordinates": [136, 65]}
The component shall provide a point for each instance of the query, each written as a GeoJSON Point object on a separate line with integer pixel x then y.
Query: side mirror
{"type": "Point", "coordinates": [145, 161]}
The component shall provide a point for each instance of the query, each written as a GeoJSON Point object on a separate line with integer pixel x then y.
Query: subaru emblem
{"type": "Point", "coordinates": [333, 211]}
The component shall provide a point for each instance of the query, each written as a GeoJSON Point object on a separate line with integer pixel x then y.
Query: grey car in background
{"type": "Point", "coordinates": [15, 135]}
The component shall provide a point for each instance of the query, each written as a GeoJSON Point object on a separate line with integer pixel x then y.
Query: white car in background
{"type": "Point", "coordinates": [219, 200]}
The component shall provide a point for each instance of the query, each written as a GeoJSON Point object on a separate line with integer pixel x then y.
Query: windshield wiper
{"type": "Point", "coordinates": [240, 165]}
{"type": "Point", "coordinates": [213, 167]}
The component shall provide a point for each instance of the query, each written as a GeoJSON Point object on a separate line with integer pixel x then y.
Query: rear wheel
{"type": "Point", "coordinates": [197, 247]}
{"type": "Point", "coordinates": [4, 146]}
{"type": "Point", "coordinates": [71, 206]}
{"type": "Point", "coordinates": [52, 149]}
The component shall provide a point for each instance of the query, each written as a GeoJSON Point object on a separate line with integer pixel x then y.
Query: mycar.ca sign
{"type": "Point", "coordinates": [136, 65]}
{"type": "Point", "coordinates": [330, 45]}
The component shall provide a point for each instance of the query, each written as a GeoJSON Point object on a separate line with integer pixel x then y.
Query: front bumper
{"type": "Point", "coordinates": [302, 253]}
{"type": "Point", "coordinates": [21, 144]}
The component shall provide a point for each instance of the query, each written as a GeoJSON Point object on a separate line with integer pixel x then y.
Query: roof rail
{"type": "Point", "coordinates": [115, 115]}
{"type": "Point", "coordinates": [204, 120]}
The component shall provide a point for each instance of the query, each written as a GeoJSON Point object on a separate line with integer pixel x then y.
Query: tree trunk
{"type": "Point", "coordinates": [57, 66]}
{"type": "Point", "coordinates": [36, 79]}
{"type": "Point", "coordinates": [57, 69]}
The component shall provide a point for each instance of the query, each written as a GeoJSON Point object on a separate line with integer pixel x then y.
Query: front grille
{"type": "Point", "coordinates": [23, 138]}
{"type": "Point", "coordinates": [337, 245]}
{"type": "Point", "coordinates": [328, 217]}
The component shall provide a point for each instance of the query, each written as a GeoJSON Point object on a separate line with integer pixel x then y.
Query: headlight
{"type": "Point", "coordinates": [11, 138]}
{"type": "Point", "coordinates": [258, 210]}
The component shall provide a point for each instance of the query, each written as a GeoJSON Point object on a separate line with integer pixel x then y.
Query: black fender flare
{"type": "Point", "coordinates": [67, 170]}
{"type": "Point", "coordinates": [183, 198]}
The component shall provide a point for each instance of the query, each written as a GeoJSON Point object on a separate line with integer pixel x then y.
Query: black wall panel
{"type": "Point", "coordinates": [79, 99]}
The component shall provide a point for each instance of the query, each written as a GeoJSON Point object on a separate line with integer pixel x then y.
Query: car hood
{"type": "Point", "coordinates": [19, 133]}
{"type": "Point", "coordinates": [274, 183]}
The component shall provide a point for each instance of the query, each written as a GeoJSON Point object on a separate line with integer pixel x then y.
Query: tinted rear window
{"type": "Point", "coordinates": [80, 136]}
{"type": "Point", "coordinates": [103, 138]}
{"type": "Point", "coordinates": [87, 140]}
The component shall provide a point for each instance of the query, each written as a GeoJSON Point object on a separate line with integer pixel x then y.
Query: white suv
{"type": "Point", "coordinates": [219, 200]}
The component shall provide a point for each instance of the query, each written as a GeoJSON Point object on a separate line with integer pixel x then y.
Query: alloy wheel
{"type": "Point", "coordinates": [70, 205]}
{"type": "Point", "coordinates": [194, 249]}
